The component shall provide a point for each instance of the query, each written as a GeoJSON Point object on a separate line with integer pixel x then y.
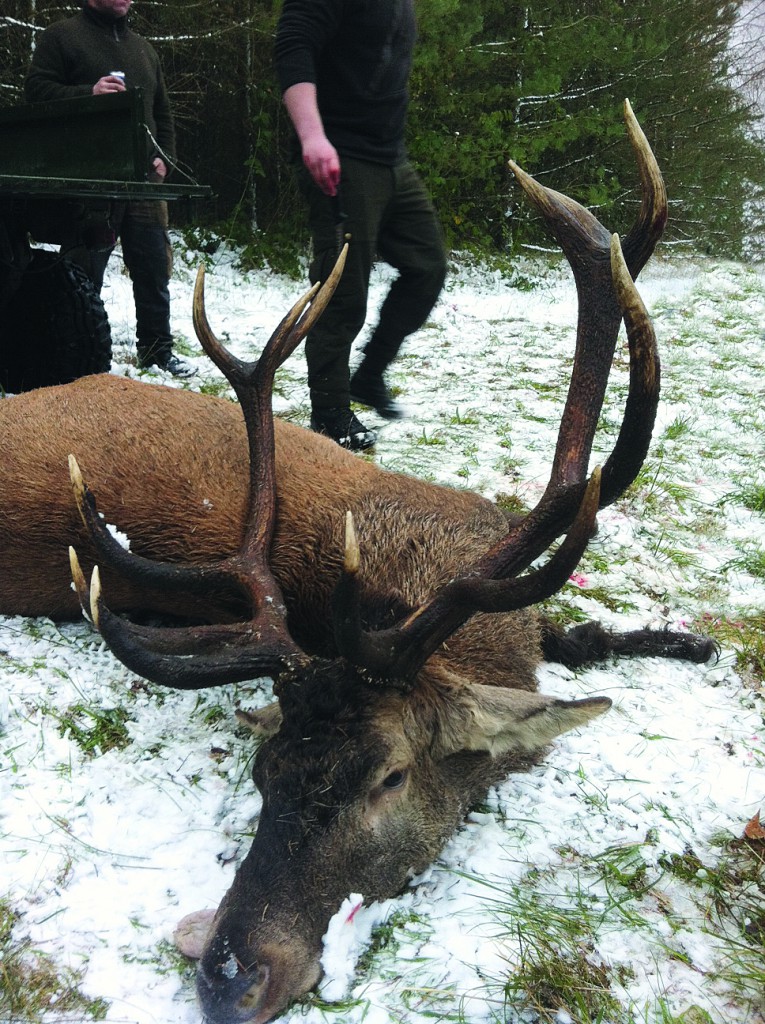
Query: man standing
{"type": "Point", "coordinates": [95, 52]}
{"type": "Point", "coordinates": [344, 69]}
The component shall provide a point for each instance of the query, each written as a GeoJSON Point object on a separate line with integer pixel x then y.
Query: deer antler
{"type": "Point", "coordinates": [606, 295]}
{"type": "Point", "coordinates": [262, 645]}
{"type": "Point", "coordinates": [233, 651]}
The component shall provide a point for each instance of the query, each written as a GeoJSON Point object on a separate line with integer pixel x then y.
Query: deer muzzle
{"type": "Point", "coordinates": [233, 992]}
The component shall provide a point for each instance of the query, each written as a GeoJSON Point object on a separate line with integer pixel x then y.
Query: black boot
{"type": "Point", "coordinates": [159, 353]}
{"type": "Point", "coordinates": [342, 426]}
{"type": "Point", "coordinates": [369, 388]}
{"type": "Point", "coordinates": [169, 362]}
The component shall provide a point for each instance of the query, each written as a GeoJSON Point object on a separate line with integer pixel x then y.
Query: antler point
{"type": "Point", "coordinates": [352, 553]}
{"type": "Point", "coordinates": [95, 596]}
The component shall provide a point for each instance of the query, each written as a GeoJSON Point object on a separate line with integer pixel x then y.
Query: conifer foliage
{"type": "Point", "coordinates": [542, 82]}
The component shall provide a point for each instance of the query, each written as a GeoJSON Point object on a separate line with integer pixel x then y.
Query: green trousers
{"type": "Point", "coordinates": [388, 214]}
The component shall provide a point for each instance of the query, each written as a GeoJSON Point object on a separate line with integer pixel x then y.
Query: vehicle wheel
{"type": "Point", "coordinates": [54, 328]}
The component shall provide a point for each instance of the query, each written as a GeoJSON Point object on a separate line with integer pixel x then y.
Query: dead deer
{"type": "Point", "coordinates": [403, 662]}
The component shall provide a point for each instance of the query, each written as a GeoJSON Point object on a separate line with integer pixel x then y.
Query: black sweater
{"type": "Point", "coordinates": [71, 56]}
{"type": "Point", "coordinates": [358, 53]}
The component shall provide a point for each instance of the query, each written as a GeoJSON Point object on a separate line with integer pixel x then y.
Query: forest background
{"type": "Point", "coordinates": [541, 82]}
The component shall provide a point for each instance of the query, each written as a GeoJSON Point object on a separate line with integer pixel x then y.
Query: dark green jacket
{"type": "Point", "coordinates": [71, 56]}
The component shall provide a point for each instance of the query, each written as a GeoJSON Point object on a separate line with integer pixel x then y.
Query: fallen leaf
{"type": "Point", "coordinates": [754, 829]}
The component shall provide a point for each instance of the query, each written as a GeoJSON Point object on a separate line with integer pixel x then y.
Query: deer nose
{"type": "Point", "coordinates": [229, 994]}
{"type": "Point", "coordinates": [254, 1001]}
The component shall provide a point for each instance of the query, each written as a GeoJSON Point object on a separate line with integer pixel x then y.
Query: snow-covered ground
{"type": "Point", "coordinates": [101, 854]}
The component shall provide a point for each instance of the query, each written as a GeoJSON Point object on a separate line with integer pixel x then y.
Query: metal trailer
{"type": "Point", "coordinates": [63, 166]}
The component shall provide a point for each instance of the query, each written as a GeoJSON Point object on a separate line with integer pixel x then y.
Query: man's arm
{"type": "Point", "coordinates": [47, 78]}
{"type": "Point", "coordinates": [304, 28]}
{"type": "Point", "coordinates": [319, 155]}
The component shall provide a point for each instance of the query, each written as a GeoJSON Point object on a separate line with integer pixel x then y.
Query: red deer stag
{"type": "Point", "coordinates": [383, 734]}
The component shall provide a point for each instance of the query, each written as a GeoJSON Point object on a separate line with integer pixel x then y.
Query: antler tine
{"type": "Point", "coordinates": [651, 220]}
{"type": "Point", "coordinates": [284, 340]}
{"type": "Point", "coordinates": [79, 581]}
{"type": "Point", "coordinates": [223, 653]}
{"type": "Point", "coordinates": [605, 293]}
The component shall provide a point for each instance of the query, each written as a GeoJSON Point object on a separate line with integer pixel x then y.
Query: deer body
{"type": "Point", "coordinates": [180, 494]}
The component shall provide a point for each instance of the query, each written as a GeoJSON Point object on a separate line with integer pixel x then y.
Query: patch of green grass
{"type": "Point", "coordinates": [165, 958]}
{"type": "Point", "coordinates": [626, 867]}
{"type": "Point", "coordinates": [508, 466]}
{"type": "Point", "coordinates": [95, 730]}
{"type": "Point", "coordinates": [731, 893]}
{"type": "Point", "coordinates": [211, 710]}
{"type": "Point", "coordinates": [217, 388]}
{"type": "Point", "coordinates": [32, 984]}
{"type": "Point", "coordinates": [604, 597]}
{"type": "Point", "coordinates": [184, 347]}
{"type": "Point", "coordinates": [751, 560]}
{"type": "Point", "coordinates": [340, 1007]}
{"type": "Point", "coordinates": [512, 504]}
{"type": "Point", "coordinates": [431, 440]}
{"type": "Point", "coordinates": [562, 613]}
{"type": "Point", "coordinates": [558, 967]}
{"type": "Point", "coordinates": [690, 1015]}
{"type": "Point", "coordinates": [559, 932]}
{"type": "Point", "coordinates": [746, 635]}
{"type": "Point", "coordinates": [677, 556]}
{"type": "Point", "coordinates": [679, 428]}
{"type": "Point", "coordinates": [542, 387]}
{"type": "Point", "coordinates": [654, 488]}
{"type": "Point", "coordinates": [464, 419]}
{"type": "Point", "coordinates": [215, 714]}
{"type": "Point", "coordinates": [686, 866]}
{"type": "Point", "coordinates": [298, 415]}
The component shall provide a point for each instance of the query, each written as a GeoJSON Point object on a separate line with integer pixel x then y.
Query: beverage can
{"type": "Point", "coordinates": [118, 74]}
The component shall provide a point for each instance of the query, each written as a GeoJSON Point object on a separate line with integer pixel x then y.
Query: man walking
{"type": "Point", "coordinates": [95, 52]}
{"type": "Point", "coordinates": [344, 71]}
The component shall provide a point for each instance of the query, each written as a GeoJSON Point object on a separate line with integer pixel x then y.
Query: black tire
{"type": "Point", "coordinates": [54, 328]}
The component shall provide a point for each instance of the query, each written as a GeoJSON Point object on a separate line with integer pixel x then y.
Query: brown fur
{"type": "Point", "coordinates": [169, 468]}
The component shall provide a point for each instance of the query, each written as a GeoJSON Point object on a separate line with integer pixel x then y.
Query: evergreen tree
{"type": "Point", "coordinates": [542, 82]}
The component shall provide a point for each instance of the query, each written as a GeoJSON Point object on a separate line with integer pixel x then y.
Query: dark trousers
{"type": "Point", "coordinates": [142, 230]}
{"type": "Point", "coordinates": [388, 214]}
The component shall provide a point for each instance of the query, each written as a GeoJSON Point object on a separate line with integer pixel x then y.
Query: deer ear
{"type": "Point", "coordinates": [498, 720]}
{"type": "Point", "coordinates": [264, 722]}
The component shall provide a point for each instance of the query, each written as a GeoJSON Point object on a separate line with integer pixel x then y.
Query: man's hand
{"type": "Point", "coordinates": [323, 163]}
{"type": "Point", "coordinates": [319, 155]}
{"type": "Point", "coordinates": [160, 168]}
{"type": "Point", "coordinates": [109, 83]}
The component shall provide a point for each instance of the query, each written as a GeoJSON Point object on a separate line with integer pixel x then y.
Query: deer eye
{"type": "Point", "coordinates": [395, 780]}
